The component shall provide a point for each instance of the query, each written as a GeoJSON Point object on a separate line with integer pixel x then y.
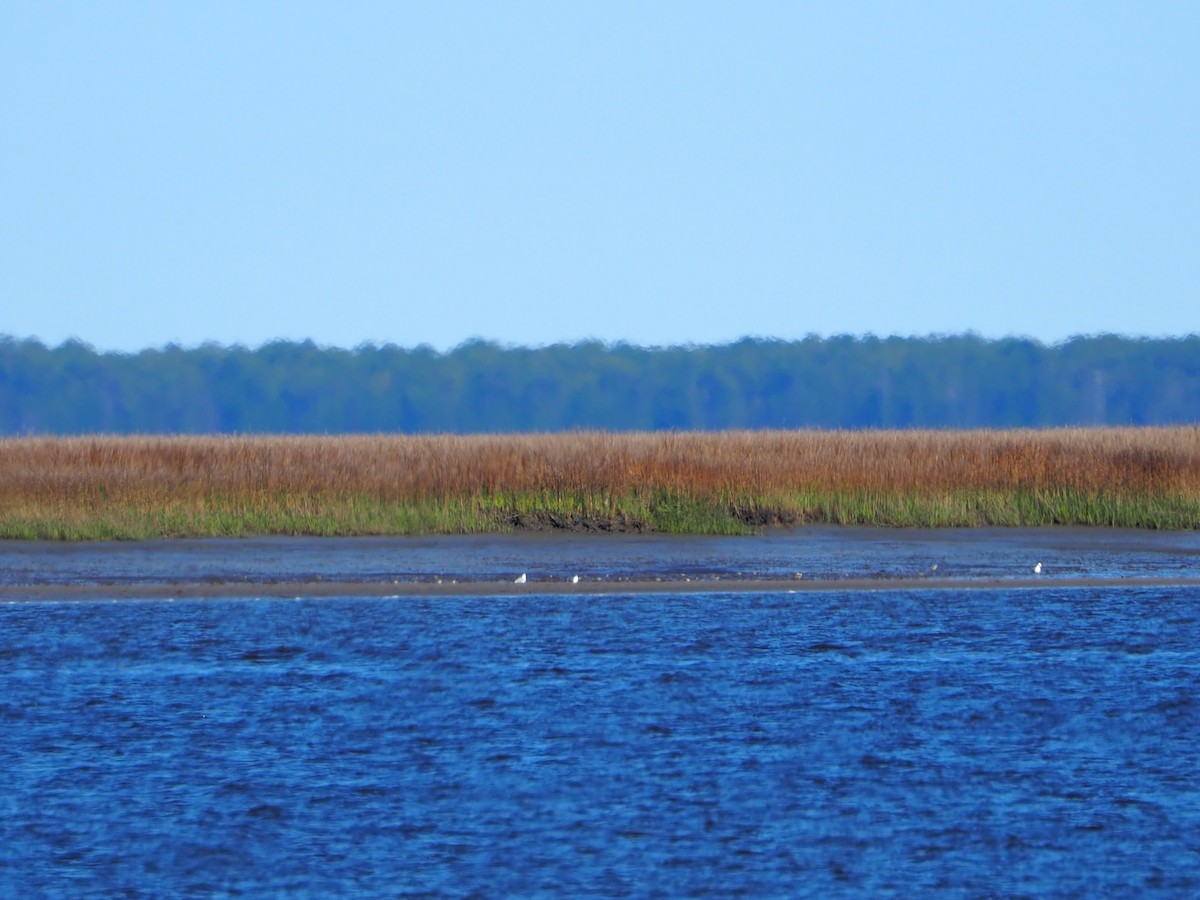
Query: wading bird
{"type": "Point", "coordinates": [520, 579]}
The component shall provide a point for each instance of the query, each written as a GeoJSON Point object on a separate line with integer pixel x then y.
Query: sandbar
{"type": "Point", "coordinates": [596, 587]}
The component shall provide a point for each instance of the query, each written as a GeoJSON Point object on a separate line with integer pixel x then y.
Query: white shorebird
{"type": "Point", "coordinates": [1037, 570]}
{"type": "Point", "coordinates": [574, 579]}
{"type": "Point", "coordinates": [521, 579]}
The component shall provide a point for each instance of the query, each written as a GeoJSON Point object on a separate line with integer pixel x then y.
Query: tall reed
{"type": "Point", "coordinates": [142, 486]}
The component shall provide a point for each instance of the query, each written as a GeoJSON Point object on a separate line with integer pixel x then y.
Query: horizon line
{"type": "Point", "coordinates": [607, 344]}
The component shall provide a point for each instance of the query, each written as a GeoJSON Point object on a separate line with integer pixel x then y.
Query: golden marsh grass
{"type": "Point", "coordinates": [130, 487]}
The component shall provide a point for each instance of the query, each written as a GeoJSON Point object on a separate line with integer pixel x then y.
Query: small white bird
{"type": "Point", "coordinates": [1037, 570]}
{"type": "Point", "coordinates": [520, 579]}
{"type": "Point", "coordinates": [574, 579]}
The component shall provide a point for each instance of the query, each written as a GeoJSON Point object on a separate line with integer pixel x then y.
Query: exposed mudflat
{"type": "Point", "coordinates": [800, 559]}
{"type": "Point", "coordinates": [283, 589]}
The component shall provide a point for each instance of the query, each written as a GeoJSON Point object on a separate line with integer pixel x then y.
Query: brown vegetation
{"type": "Point", "coordinates": [751, 474]}
{"type": "Point", "coordinates": [693, 463]}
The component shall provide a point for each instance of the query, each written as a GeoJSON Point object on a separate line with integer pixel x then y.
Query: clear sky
{"type": "Point", "coordinates": [661, 172]}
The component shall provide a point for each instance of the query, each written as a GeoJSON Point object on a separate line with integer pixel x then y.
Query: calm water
{"type": "Point", "coordinates": [985, 742]}
{"type": "Point", "coordinates": [820, 553]}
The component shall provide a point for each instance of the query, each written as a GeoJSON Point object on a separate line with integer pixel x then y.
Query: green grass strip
{"type": "Point", "coordinates": [662, 511]}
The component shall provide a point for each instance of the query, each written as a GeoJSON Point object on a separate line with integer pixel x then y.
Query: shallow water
{"type": "Point", "coordinates": [1005, 741]}
{"type": "Point", "coordinates": [818, 553]}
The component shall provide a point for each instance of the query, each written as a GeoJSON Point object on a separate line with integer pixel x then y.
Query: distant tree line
{"type": "Point", "coordinates": [839, 382]}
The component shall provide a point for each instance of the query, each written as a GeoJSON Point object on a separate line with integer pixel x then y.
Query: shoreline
{"type": "Point", "coordinates": [590, 482]}
{"type": "Point", "coordinates": [591, 588]}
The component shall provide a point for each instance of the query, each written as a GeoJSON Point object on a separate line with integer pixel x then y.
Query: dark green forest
{"type": "Point", "coordinates": [960, 381]}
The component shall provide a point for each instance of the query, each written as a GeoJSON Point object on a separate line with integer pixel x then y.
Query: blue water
{"type": "Point", "coordinates": [985, 742]}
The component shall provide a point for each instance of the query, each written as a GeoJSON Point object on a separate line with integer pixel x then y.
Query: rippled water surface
{"type": "Point", "coordinates": [1037, 741]}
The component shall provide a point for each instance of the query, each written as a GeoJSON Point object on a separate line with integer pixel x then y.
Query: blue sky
{"type": "Point", "coordinates": [661, 173]}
